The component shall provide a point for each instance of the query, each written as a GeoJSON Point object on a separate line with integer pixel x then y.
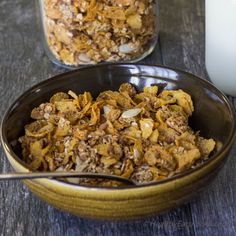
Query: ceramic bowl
{"type": "Point", "coordinates": [213, 116]}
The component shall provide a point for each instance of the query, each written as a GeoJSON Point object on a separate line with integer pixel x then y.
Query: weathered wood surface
{"type": "Point", "coordinates": [24, 63]}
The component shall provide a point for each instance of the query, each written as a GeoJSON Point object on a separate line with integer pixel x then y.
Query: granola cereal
{"type": "Point", "coordinates": [91, 31]}
{"type": "Point", "coordinates": [143, 136]}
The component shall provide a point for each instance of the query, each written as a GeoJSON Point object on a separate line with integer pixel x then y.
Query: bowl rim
{"type": "Point", "coordinates": [226, 147]}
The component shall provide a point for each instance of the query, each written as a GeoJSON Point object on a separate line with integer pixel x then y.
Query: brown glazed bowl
{"type": "Point", "coordinates": [213, 116]}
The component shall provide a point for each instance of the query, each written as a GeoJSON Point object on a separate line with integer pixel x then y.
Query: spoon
{"type": "Point", "coordinates": [36, 175]}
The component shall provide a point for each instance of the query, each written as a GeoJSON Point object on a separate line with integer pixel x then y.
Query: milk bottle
{"type": "Point", "coordinates": [221, 44]}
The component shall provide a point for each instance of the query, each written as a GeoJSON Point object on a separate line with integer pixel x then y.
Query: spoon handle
{"type": "Point", "coordinates": [36, 175]}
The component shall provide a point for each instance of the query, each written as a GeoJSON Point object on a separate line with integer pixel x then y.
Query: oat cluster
{"type": "Point", "coordinates": [91, 31]}
{"type": "Point", "coordinates": [143, 136]}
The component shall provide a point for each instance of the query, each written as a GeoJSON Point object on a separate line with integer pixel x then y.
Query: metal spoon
{"type": "Point", "coordinates": [36, 175]}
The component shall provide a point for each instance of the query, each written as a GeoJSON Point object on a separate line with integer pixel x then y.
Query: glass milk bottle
{"type": "Point", "coordinates": [221, 44]}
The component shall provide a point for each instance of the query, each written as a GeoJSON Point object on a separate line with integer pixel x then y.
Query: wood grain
{"type": "Point", "coordinates": [24, 63]}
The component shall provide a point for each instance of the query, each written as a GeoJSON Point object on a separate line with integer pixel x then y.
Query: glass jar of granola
{"type": "Point", "coordinates": [80, 32]}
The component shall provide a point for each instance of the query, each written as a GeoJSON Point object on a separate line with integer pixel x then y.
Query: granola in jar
{"type": "Point", "coordinates": [91, 31]}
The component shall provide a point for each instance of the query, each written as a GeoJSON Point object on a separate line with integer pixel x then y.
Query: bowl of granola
{"type": "Point", "coordinates": [165, 129]}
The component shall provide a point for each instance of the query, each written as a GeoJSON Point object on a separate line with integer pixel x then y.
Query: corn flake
{"type": "Point", "coordinates": [146, 126]}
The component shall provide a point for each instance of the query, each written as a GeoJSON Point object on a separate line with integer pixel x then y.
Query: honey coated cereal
{"type": "Point", "coordinates": [143, 136]}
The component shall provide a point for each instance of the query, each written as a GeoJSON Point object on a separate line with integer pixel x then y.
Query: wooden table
{"type": "Point", "coordinates": [24, 63]}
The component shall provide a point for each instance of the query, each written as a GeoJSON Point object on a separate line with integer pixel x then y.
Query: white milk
{"type": "Point", "coordinates": [221, 44]}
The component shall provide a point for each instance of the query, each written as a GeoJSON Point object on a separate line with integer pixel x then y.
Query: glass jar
{"type": "Point", "coordinates": [78, 32]}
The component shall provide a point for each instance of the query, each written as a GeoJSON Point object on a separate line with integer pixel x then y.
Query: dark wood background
{"type": "Point", "coordinates": [24, 63]}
